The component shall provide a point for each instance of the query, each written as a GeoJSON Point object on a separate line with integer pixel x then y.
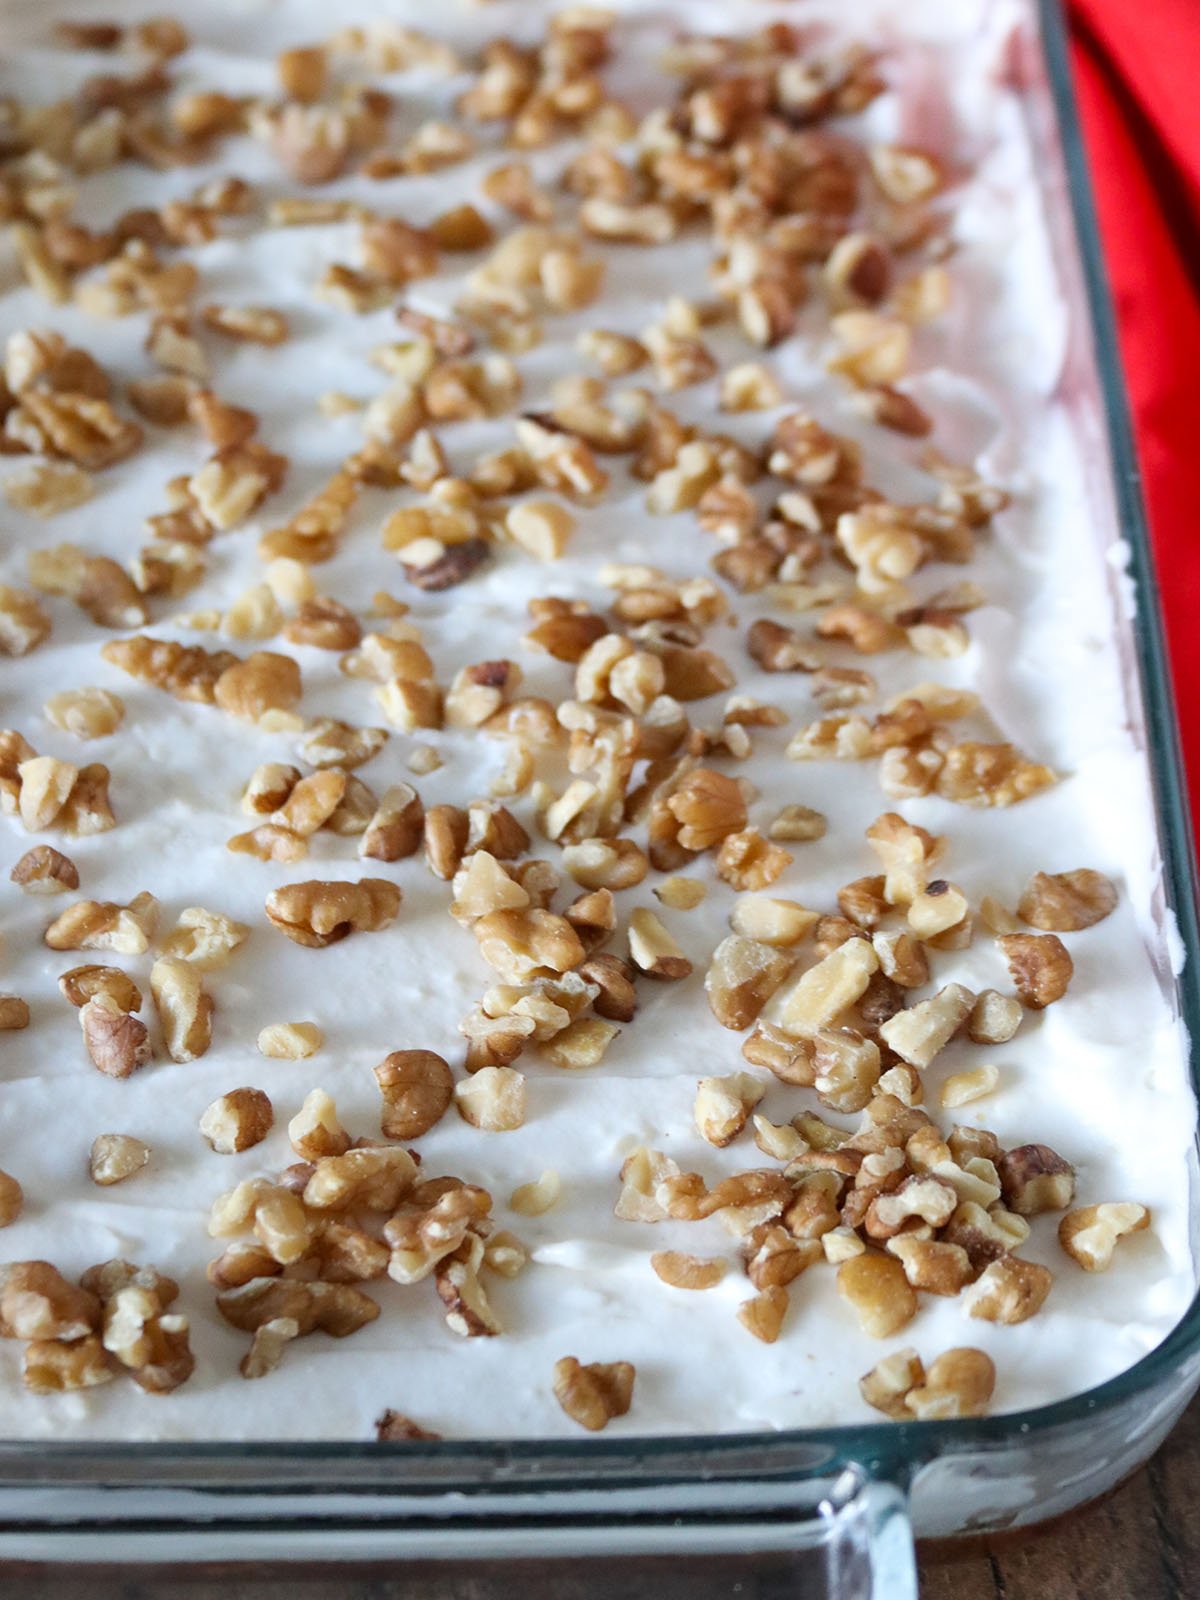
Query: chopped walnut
{"type": "Point", "coordinates": [880, 1293]}
{"type": "Point", "coordinates": [1036, 1179]}
{"type": "Point", "coordinates": [115, 1157]}
{"type": "Point", "coordinates": [117, 1043]}
{"type": "Point", "coordinates": [744, 974]}
{"type": "Point", "coordinates": [889, 1382]}
{"type": "Point", "coordinates": [44, 870]}
{"type": "Point", "coordinates": [1008, 1290]}
{"type": "Point", "coordinates": [820, 994]}
{"type": "Point", "coordinates": [763, 1315]}
{"type": "Point", "coordinates": [237, 1120]}
{"type": "Point", "coordinates": [653, 950]}
{"type": "Point", "coordinates": [1064, 902]}
{"type": "Point", "coordinates": [958, 1384]}
{"type": "Point", "coordinates": [492, 1099]}
{"type": "Point", "coordinates": [417, 1088]}
{"type": "Point", "coordinates": [24, 623]}
{"type": "Point", "coordinates": [317, 914]}
{"type": "Point", "coordinates": [1040, 965]}
{"type": "Point", "coordinates": [919, 1032]}
{"type": "Point", "coordinates": [723, 1106]}
{"type": "Point", "coordinates": [315, 1132]}
{"type": "Point", "coordinates": [1091, 1234]}
{"type": "Point", "coordinates": [593, 1395]}
{"type": "Point", "coordinates": [37, 1302]}
{"type": "Point", "coordinates": [686, 1272]}
{"type": "Point", "coordinates": [184, 1009]}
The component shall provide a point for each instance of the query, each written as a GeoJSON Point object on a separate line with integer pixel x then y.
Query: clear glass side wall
{"type": "Point", "coordinates": [1125, 1417]}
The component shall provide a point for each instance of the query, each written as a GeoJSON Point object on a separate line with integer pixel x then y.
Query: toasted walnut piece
{"type": "Point", "coordinates": [933, 1266]}
{"type": "Point", "coordinates": [290, 1041]}
{"type": "Point", "coordinates": [267, 1346]}
{"type": "Point", "coordinates": [680, 894]}
{"type": "Point", "coordinates": [1091, 1234]}
{"type": "Point", "coordinates": [747, 861]}
{"type": "Point", "coordinates": [994, 1018]}
{"type": "Point", "coordinates": [417, 1088]}
{"type": "Point", "coordinates": [44, 870]}
{"type": "Point", "coordinates": [393, 1426]}
{"type": "Point", "coordinates": [24, 622]}
{"type": "Point", "coordinates": [264, 682]}
{"type": "Point", "coordinates": [683, 1271]}
{"type": "Point", "coordinates": [87, 713]}
{"type": "Point", "coordinates": [115, 1157]}
{"type": "Point", "coordinates": [763, 1315]}
{"type": "Point", "coordinates": [902, 958]}
{"type": "Point", "coordinates": [45, 784]}
{"type": "Point", "coordinates": [13, 1013]}
{"type": "Point", "coordinates": [1064, 902]}
{"type": "Point", "coordinates": [918, 1033]}
{"type": "Point", "coordinates": [617, 999]}
{"type": "Point", "coordinates": [316, 913]}
{"type": "Point", "coordinates": [723, 1105]}
{"type": "Point", "coordinates": [888, 1383]}
{"type": "Point", "coordinates": [51, 1366]}
{"type": "Point", "coordinates": [446, 832]}
{"type": "Point", "coordinates": [581, 1043]}
{"type": "Point", "coordinates": [1034, 1179]}
{"type": "Point", "coordinates": [1040, 964]}
{"type": "Point", "coordinates": [1008, 1290]}
{"type": "Point", "coordinates": [81, 983]}
{"type": "Point", "coordinates": [37, 1302]}
{"type": "Point", "coordinates": [184, 1009]}
{"type": "Point", "coordinates": [653, 950]}
{"type": "Point", "coordinates": [595, 1394]}
{"type": "Point", "coordinates": [775, 922]}
{"type": "Point", "coordinates": [708, 807]}
{"type": "Point", "coordinates": [374, 1177]}
{"type": "Point", "coordinates": [207, 939]}
{"type": "Point", "coordinates": [880, 1293]}
{"type": "Point", "coordinates": [820, 994]}
{"type": "Point", "coordinates": [542, 528]}
{"type": "Point", "coordinates": [791, 1060]}
{"type": "Point", "coordinates": [492, 1099]}
{"type": "Point", "coordinates": [311, 802]}
{"type": "Point", "coordinates": [397, 827]}
{"type": "Point", "coordinates": [743, 976]}
{"type": "Point", "coordinates": [958, 1384]}
{"type": "Point", "coordinates": [606, 863]}
{"type": "Point", "coordinates": [268, 842]}
{"type": "Point", "coordinates": [963, 1088]}
{"type": "Point", "coordinates": [116, 1042]}
{"type": "Point", "coordinates": [237, 1120]}
{"type": "Point", "coordinates": [976, 774]}
{"type": "Point", "coordinates": [641, 1173]}
{"type": "Point", "coordinates": [536, 1198]}
{"type": "Point", "coordinates": [338, 1309]}
{"type": "Point", "coordinates": [239, 1263]}
{"type": "Point", "coordinates": [468, 1313]}
{"type": "Point", "coordinates": [315, 1131]}
{"type": "Point", "coordinates": [846, 1068]}
{"type": "Point", "coordinates": [12, 1199]}
{"type": "Point", "coordinates": [797, 824]}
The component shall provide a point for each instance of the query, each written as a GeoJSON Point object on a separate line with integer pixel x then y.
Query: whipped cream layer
{"type": "Point", "coordinates": [1101, 1075]}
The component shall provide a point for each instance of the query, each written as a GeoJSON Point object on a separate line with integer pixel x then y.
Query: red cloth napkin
{"type": "Point", "coordinates": [1136, 77]}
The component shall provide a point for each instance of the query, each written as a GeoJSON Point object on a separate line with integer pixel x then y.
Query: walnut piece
{"type": "Point", "coordinates": [115, 1157]}
{"type": "Point", "coordinates": [1040, 965]}
{"type": "Point", "coordinates": [237, 1120]}
{"type": "Point", "coordinates": [1091, 1234]}
{"type": "Point", "coordinates": [1064, 902]}
{"type": "Point", "coordinates": [593, 1395]}
{"type": "Point", "coordinates": [417, 1088]}
{"type": "Point", "coordinates": [317, 914]}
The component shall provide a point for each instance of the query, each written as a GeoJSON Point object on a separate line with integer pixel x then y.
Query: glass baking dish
{"type": "Point", "coordinates": [841, 1504]}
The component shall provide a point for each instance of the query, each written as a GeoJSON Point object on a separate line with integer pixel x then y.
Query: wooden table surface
{"type": "Point", "coordinates": [1141, 1543]}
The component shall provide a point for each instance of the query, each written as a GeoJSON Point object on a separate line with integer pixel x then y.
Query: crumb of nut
{"type": "Point", "coordinates": [684, 1271]}
{"type": "Point", "coordinates": [772, 921]}
{"type": "Point", "coordinates": [117, 1043]}
{"type": "Point", "coordinates": [958, 1384]}
{"type": "Point", "coordinates": [1040, 965]}
{"type": "Point", "coordinates": [763, 1314]}
{"type": "Point", "coordinates": [417, 1088]}
{"type": "Point", "coordinates": [24, 621]}
{"type": "Point", "coordinates": [267, 1346]}
{"type": "Point", "coordinates": [653, 950]}
{"type": "Point", "coordinates": [1064, 902]}
{"type": "Point", "coordinates": [742, 977]}
{"type": "Point", "coordinates": [680, 894]}
{"type": "Point", "coordinates": [879, 1292]}
{"type": "Point", "coordinates": [115, 1157]}
{"type": "Point", "coordinates": [963, 1088]}
{"type": "Point", "coordinates": [393, 1426]}
{"type": "Point", "coordinates": [593, 1395]}
{"type": "Point", "coordinates": [1091, 1234]}
{"type": "Point", "coordinates": [290, 1041]}
{"type": "Point", "coordinates": [1008, 1290]}
{"type": "Point", "coordinates": [315, 1132]}
{"type": "Point", "coordinates": [994, 1017]}
{"type": "Point", "coordinates": [184, 1008]}
{"type": "Point", "coordinates": [492, 1099]}
{"type": "Point", "coordinates": [317, 914]}
{"type": "Point", "coordinates": [826, 989]}
{"type": "Point", "coordinates": [14, 1013]}
{"type": "Point", "coordinates": [1035, 1178]}
{"type": "Point", "coordinates": [535, 1198]}
{"type": "Point", "coordinates": [12, 1199]}
{"type": "Point", "coordinates": [237, 1120]}
{"type": "Point", "coordinates": [581, 1043]}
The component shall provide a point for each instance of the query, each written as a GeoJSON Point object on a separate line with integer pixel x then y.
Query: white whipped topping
{"type": "Point", "coordinates": [1100, 1076]}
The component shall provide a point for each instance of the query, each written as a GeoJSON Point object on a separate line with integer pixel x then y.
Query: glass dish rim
{"type": "Point", "coordinates": [893, 1447]}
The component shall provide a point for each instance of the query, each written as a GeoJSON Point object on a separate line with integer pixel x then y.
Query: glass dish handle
{"type": "Point", "coordinates": [886, 1537]}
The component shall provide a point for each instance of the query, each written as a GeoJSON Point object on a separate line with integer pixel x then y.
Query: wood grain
{"type": "Point", "coordinates": [1141, 1543]}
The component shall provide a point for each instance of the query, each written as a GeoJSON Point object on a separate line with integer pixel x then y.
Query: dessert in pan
{"type": "Point", "coordinates": [575, 855]}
